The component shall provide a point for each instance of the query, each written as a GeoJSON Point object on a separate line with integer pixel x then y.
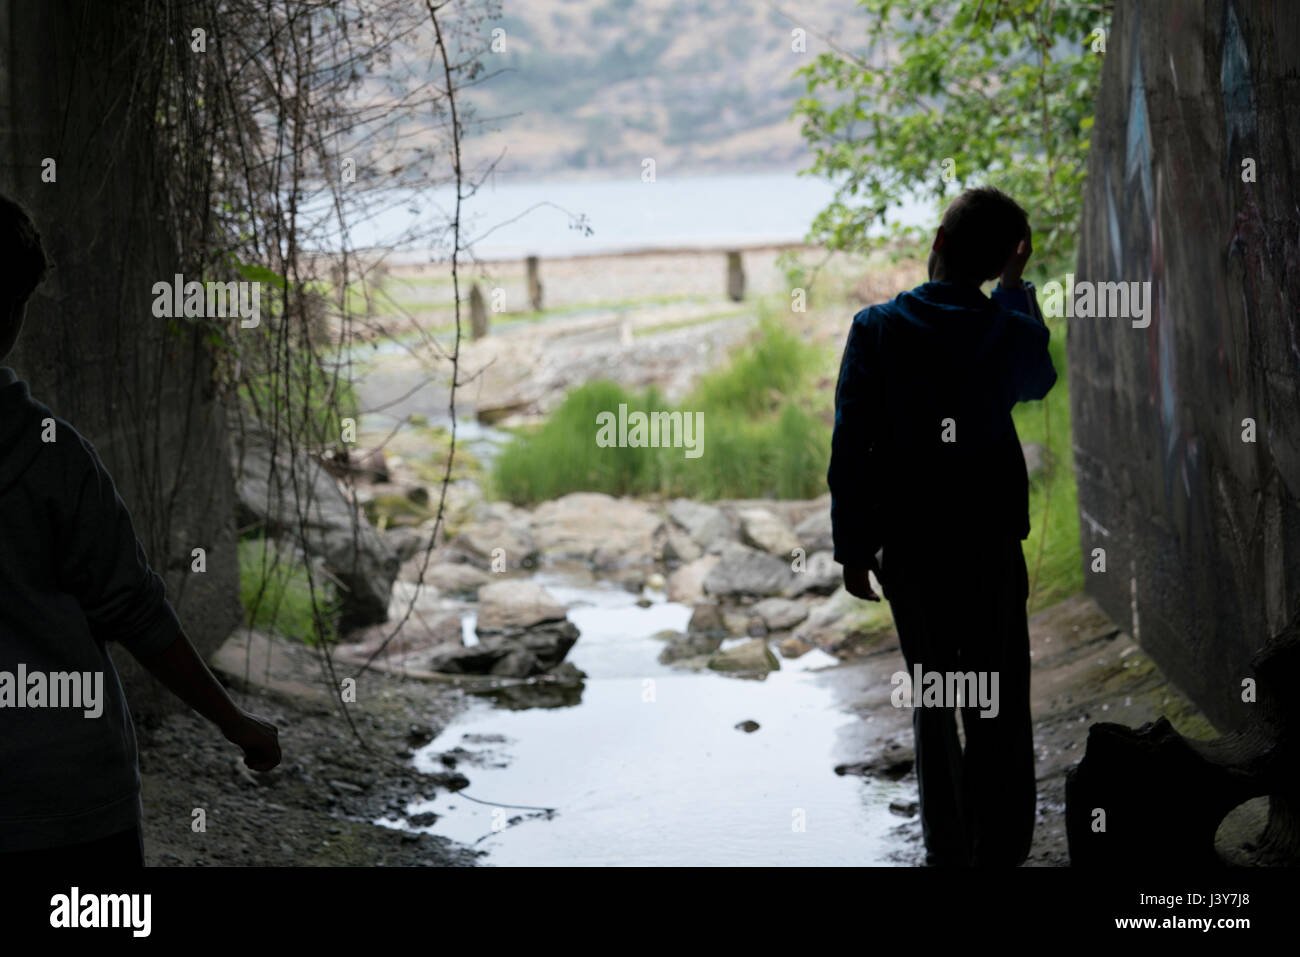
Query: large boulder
{"type": "Point", "coordinates": [278, 488]}
{"type": "Point", "coordinates": [522, 632]}
{"type": "Point", "coordinates": [745, 572]}
{"type": "Point", "coordinates": [514, 605]}
{"type": "Point", "coordinates": [598, 528]}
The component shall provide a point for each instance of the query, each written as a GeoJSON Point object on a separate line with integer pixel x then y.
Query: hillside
{"type": "Point", "coordinates": [699, 85]}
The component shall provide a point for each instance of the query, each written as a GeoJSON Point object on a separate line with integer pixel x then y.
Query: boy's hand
{"type": "Point", "coordinates": [1016, 263]}
{"type": "Point", "coordinates": [258, 739]}
{"type": "Point", "coordinates": [857, 579]}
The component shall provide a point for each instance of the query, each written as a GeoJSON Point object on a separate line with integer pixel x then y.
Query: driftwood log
{"type": "Point", "coordinates": [1163, 796]}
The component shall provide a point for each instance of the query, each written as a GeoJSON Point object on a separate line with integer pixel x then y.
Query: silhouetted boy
{"type": "Point", "coordinates": [927, 470]}
{"type": "Point", "coordinates": [73, 576]}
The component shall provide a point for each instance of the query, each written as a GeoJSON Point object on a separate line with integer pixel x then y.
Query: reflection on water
{"type": "Point", "coordinates": [649, 768]}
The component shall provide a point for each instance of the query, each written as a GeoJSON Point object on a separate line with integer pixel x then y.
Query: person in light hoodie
{"type": "Point", "coordinates": [929, 492]}
{"type": "Point", "coordinates": [74, 577]}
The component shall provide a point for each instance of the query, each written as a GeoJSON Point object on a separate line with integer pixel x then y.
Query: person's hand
{"type": "Point", "coordinates": [1016, 262]}
{"type": "Point", "coordinates": [258, 739]}
{"type": "Point", "coordinates": [857, 579]}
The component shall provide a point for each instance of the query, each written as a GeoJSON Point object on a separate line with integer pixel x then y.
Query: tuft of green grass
{"type": "Point", "coordinates": [275, 592]}
{"type": "Point", "coordinates": [760, 438]}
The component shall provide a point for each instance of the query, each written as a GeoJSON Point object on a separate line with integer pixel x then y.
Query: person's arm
{"type": "Point", "coordinates": [1033, 372]}
{"type": "Point", "coordinates": [182, 671]}
{"type": "Point", "coordinates": [853, 527]}
{"type": "Point", "coordinates": [102, 564]}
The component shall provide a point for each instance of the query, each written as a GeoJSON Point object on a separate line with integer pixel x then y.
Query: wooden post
{"type": "Point", "coordinates": [534, 284]}
{"type": "Point", "coordinates": [735, 276]}
{"type": "Point", "coordinates": [478, 321]}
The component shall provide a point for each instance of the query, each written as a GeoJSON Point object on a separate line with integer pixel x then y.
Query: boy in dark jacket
{"type": "Point", "coordinates": [930, 493]}
{"type": "Point", "coordinates": [73, 576]}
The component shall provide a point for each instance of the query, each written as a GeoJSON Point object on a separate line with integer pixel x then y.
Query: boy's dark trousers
{"type": "Point", "coordinates": [959, 606]}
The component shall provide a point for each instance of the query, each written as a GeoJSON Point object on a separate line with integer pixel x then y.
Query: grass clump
{"type": "Point", "coordinates": [276, 595]}
{"type": "Point", "coordinates": [760, 435]}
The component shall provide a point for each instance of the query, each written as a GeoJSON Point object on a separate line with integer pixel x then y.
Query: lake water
{"type": "Point", "coordinates": [508, 219]}
{"type": "Point", "coordinates": [650, 769]}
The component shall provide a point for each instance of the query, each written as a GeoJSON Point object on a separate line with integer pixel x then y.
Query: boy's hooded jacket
{"type": "Point", "coordinates": [73, 577]}
{"type": "Point", "coordinates": [924, 447]}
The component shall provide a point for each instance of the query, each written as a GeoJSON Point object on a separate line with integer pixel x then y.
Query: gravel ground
{"type": "Point", "coordinates": [316, 808]}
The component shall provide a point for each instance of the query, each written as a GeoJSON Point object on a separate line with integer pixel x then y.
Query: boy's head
{"type": "Point", "coordinates": [980, 230]}
{"type": "Point", "coordinates": [25, 267]}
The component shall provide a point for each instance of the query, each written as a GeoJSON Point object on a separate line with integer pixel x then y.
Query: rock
{"type": "Point", "coordinates": [417, 633]}
{"type": "Point", "coordinates": [794, 647]}
{"type": "Point", "coordinates": [751, 657]}
{"type": "Point", "coordinates": [749, 727]}
{"type": "Point", "coordinates": [497, 539]}
{"type": "Point", "coordinates": [814, 532]}
{"type": "Point", "coordinates": [1036, 458]}
{"type": "Point", "coordinates": [408, 541]}
{"type": "Point", "coordinates": [698, 663]}
{"type": "Point", "coordinates": [364, 465]}
{"type": "Point", "coordinates": [655, 582]}
{"type": "Point", "coordinates": [705, 524]}
{"type": "Point", "coordinates": [903, 808]}
{"type": "Point", "coordinates": [547, 643]}
{"type": "Point", "coordinates": [690, 646]}
{"type": "Point", "coordinates": [707, 619]}
{"type": "Point", "coordinates": [515, 604]}
{"type": "Point", "coordinates": [533, 652]}
{"type": "Point", "coordinates": [448, 577]}
{"type": "Point", "coordinates": [742, 571]}
{"type": "Point", "coordinates": [779, 614]}
{"type": "Point", "coordinates": [679, 546]}
{"type": "Point", "coordinates": [458, 660]}
{"type": "Point", "coordinates": [737, 622]}
{"type": "Point", "coordinates": [518, 663]}
{"type": "Point", "coordinates": [764, 531]}
{"type": "Point", "coordinates": [599, 528]}
{"type": "Point", "coordinates": [844, 625]}
{"type": "Point", "coordinates": [686, 584]}
{"type": "Point", "coordinates": [820, 575]}
{"type": "Point", "coordinates": [363, 562]}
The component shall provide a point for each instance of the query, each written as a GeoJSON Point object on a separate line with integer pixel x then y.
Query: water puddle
{"type": "Point", "coordinates": [649, 768]}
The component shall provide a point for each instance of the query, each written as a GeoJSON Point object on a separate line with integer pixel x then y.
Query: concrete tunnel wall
{"type": "Point", "coordinates": [91, 347]}
{"type": "Point", "coordinates": [1201, 529]}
